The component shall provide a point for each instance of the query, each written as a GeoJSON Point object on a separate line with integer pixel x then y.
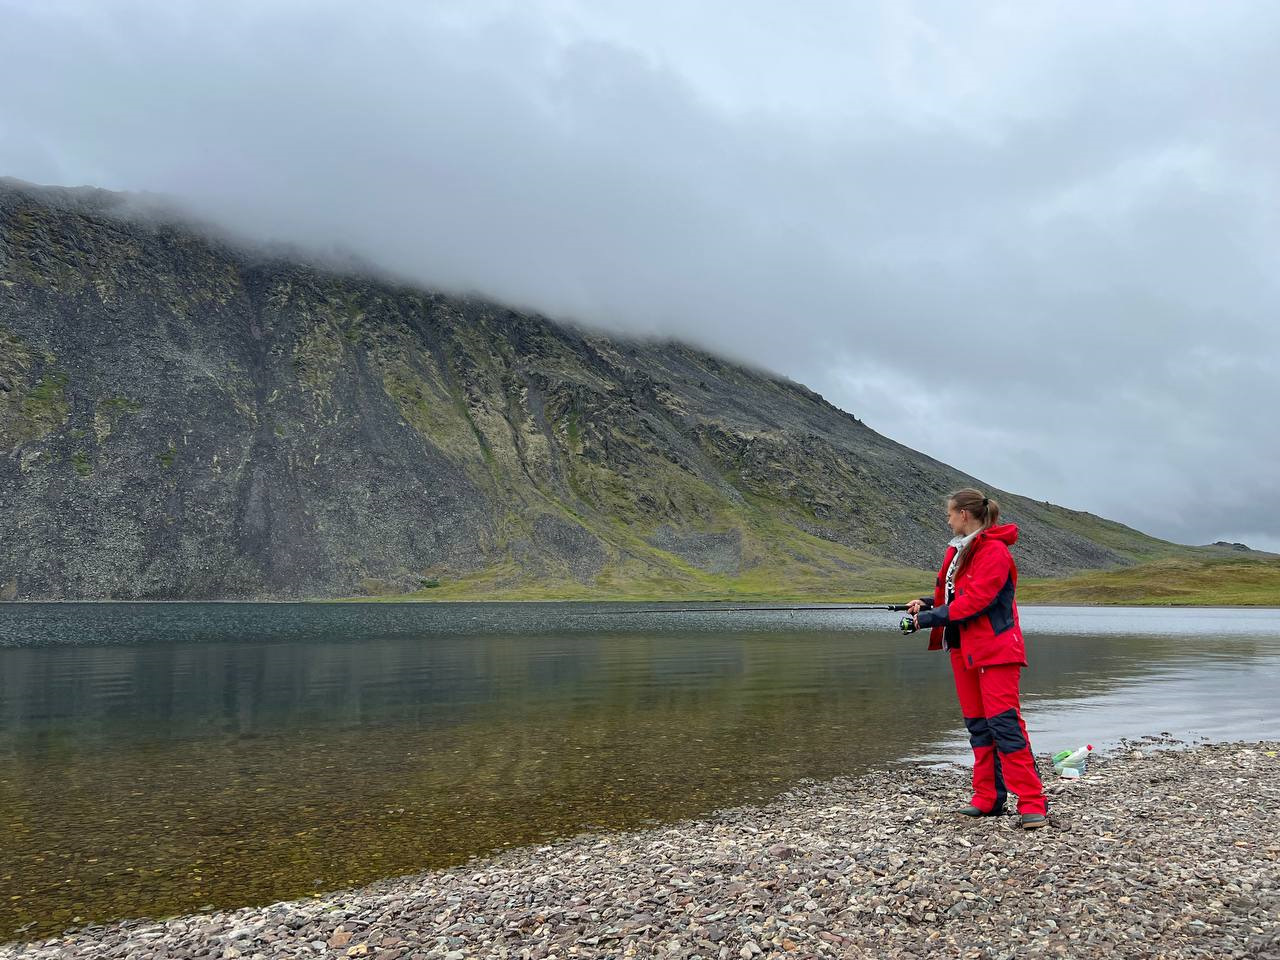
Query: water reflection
{"type": "Point", "coordinates": [231, 754]}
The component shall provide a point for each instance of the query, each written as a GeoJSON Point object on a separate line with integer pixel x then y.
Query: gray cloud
{"type": "Point", "coordinates": [1036, 242]}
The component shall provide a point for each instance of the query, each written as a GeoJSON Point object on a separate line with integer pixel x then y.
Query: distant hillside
{"type": "Point", "coordinates": [1211, 578]}
{"type": "Point", "coordinates": [181, 418]}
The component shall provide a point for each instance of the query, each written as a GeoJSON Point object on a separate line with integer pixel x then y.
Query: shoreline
{"type": "Point", "coordinates": [1163, 848]}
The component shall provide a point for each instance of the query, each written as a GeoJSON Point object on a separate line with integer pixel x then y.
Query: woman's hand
{"type": "Point", "coordinates": [914, 607]}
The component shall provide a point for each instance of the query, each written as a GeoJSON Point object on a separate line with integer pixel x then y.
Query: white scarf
{"type": "Point", "coordinates": [961, 544]}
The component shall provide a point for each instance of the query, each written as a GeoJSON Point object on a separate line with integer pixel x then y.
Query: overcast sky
{"type": "Point", "coordinates": [1039, 241]}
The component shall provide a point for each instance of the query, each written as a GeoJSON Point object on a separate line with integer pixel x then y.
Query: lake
{"type": "Point", "coordinates": [162, 758]}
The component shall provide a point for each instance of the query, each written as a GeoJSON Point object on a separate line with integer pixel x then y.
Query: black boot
{"type": "Point", "coordinates": [971, 811]}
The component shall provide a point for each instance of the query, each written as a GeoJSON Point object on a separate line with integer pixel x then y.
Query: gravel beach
{"type": "Point", "coordinates": [1156, 852]}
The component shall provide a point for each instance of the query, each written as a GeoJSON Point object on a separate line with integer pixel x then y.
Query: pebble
{"type": "Point", "coordinates": [1133, 860]}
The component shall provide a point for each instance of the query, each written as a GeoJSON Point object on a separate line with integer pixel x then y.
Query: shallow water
{"type": "Point", "coordinates": [161, 758]}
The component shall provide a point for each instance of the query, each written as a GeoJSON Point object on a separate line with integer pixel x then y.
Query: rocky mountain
{"type": "Point", "coordinates": [184, 417]}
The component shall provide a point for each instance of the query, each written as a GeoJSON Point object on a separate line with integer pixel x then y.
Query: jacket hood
{"type": "Point", "coordinates": [1006, 533]}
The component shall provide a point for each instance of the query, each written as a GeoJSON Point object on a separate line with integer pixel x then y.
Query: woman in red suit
{"type": "Point", "coordinates": [973, 615]}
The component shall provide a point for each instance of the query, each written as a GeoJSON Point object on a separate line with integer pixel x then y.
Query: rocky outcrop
{"type": "Point", "coordinates": [181, 417]}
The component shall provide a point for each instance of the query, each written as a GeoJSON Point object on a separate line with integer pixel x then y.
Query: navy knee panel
{"type": "Point", "coordinates": [1007, 731]}
{"type": "Point", "coordinates": [979, 731]}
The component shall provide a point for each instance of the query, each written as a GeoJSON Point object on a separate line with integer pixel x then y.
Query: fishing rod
{"type": "Point", "coordinates": [896, 607]}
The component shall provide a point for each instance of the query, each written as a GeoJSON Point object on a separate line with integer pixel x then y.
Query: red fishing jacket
{"type": "Point", "coordinates": [983, 609]}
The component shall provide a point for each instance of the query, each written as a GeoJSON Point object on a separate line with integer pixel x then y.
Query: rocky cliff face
{"type": "Point", "coordinates": [181, 418]}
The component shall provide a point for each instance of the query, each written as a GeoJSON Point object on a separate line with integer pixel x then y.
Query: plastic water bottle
{"type": "Point", "coordinates": [1071, 760]}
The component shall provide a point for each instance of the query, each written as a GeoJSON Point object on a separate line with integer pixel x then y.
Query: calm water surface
{"type": "Point", "coordinates": [159, 758]}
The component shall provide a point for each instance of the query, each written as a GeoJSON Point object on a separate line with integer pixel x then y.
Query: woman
{"type": "Point", "coordinates": [972, 614]}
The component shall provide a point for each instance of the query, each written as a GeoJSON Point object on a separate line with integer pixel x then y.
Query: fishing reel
{"type": "Point", "coordinates": [907, 625]}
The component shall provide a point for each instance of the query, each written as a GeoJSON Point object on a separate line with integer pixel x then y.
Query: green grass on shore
{"type": "Point", "coordinates": [1202, 579]}
{"type": "Point", "coordinates": [762, 586]}
{"type": "Point", "coordinates": [1199, 578]}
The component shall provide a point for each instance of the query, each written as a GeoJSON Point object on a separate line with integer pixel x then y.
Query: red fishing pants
{"type": "Point", "coordinates": [1002, 758]}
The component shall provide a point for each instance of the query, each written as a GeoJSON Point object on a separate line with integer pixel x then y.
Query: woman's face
{"type": "Point", "coordinates": [958, 520]}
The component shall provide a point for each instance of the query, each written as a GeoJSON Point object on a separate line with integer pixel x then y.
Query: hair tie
{"type": "Point", "coordinates": [985, 501]}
